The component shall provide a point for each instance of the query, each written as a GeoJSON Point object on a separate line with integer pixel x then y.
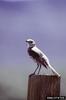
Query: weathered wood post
{"type": "Point", "coordinates": [41, 86]}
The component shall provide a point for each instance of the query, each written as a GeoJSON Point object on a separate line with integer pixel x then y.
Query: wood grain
{"type": "Point", "coordinates": [41, 86]}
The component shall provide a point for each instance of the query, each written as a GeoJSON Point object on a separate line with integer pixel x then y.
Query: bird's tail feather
{"type": "Point", "coordinates": [54, 71]}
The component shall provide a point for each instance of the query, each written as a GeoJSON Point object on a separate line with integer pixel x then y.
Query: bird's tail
{"type": "Point", "coordinates": [54, 71]}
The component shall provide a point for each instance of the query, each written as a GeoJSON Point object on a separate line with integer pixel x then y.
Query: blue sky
{"type": "Point", "coordinates": [45, 22]}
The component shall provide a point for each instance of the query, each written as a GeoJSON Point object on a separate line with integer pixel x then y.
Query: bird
{"type": "Point", "coordinates": [39, 57]}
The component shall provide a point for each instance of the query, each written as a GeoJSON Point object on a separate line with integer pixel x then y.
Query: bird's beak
{"type": "Point", "coordinates": [26, 41]}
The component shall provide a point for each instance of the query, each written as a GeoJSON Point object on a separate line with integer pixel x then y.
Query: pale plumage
{"type": "Point", "coordinates": [42, 55]}
{"type": "Point", "coordinates": [39, 57]}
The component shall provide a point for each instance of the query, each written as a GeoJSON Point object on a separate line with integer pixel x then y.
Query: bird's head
{"type": "Point", "coordinates": [30, 42]}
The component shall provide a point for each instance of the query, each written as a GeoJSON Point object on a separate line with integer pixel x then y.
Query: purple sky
{"type": "Point", "coordinates": [45, 22]}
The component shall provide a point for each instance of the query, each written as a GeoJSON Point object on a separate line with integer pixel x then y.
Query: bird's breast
{"type": "Point", "coordinates": [33, 54]}
{"type": "Point", "coordinates": [37, 57]}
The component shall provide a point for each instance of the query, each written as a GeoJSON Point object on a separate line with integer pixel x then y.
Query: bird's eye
{"type": "Point", "coordinates": [31, 41]}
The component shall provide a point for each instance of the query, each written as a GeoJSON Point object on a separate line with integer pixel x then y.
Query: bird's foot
{"type": "Point", "coordinates": [32, 74]}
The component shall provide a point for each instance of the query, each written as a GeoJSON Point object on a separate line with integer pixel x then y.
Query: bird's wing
{"type": "Point", "coordinates": [43, 57]}
{"type": "Point", "coordinates": [35, 49]}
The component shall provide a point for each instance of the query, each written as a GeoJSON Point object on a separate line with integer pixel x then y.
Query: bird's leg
{"type": "Point", "coordinates": [35, 70]}
{"type": "Point", "coordinates": [39, 69]}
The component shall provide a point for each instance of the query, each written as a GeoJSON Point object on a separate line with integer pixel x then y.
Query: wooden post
{"type": "Point", "coordinates": [41, 86]}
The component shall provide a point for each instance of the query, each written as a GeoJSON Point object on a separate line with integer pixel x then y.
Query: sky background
{"type": "Point", "coordinates": [45, 22]}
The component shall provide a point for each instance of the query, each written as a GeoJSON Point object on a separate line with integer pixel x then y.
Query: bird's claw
{"type": "Point", "coordinates": [32, 74]}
